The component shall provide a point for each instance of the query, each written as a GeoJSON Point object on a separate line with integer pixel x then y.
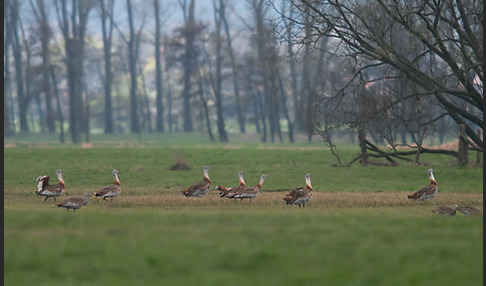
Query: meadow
{"type": "Point", "coordinates": [359, 228]}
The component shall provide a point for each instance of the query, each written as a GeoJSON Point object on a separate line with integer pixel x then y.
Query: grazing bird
{"type": "Point", "coordinates": [229, 192]}
{"type": "Point", "coordinates": [300, 196]}
{"type": "Point", "coordinates": [112, 190]}
{"type": "Point", "coordinates": [74, 203]}
{"type": "Point", "coordinates": [428, 192]}
{"type": "Point", "coordinates": [50, 191]}
{"type": "Point", "coordinates": [250, 193]}
{"type": "Point", "coordinates": [200, 189]}
{"type": "Point", "coordinates": [445, 210]}
{"type": "Point", "coordinates": [468, 210]}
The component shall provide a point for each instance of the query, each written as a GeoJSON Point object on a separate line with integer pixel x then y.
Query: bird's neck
{"type": "Point", "coordinates": [117, 180]}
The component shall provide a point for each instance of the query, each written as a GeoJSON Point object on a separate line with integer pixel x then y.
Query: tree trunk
{"type": "Point", "coordinates": [19, 76]}
{"type": "Point", "coordinates": [132, 56]}
{"type": "Point", "coordinates": [462, 152]}
{"type": "Point", "coordinates": [146, 101]}
{"type": "Point", "coordinates": [107, 33]}
{"type": "Point", "coordinates": [261, 109]}
{"type": "Point", "coordinates": [58, 104]}
{"type": "Point", "coordinates": [169, 111]}
{"type": "Point", "coordinates": [255, 108]}
{"type": "Point", "coordinates": [42, 125]}
{"type": "Point", "coordinates": [158, 71]}
{"type": "Point", "coordinates": [45, 38]}
{"type": "Point", "coordinates": [293, 71]}
{"type": "Point", "coordinates": [283, 99]}
{"type": "Point", "coordinates": [362, 145]}
{"type": "Point", "coordinates": [188, 68]}
{"type": "Point", "coordinates": [259, 14]}
{"type": "Point", "coordinates": [9, 123]}
{"type": "Point", "coordinates": [74, 29]}
{"type": "Point", "coordinates": [234, 69]}
{"type": "Point", "coordinates": [205, 108]}
{"type": "Point", "coordinates": [362, 127]}
{"type": "Point", "coordinates": [223, 136]}
{"type": "Point", "coordinates": [87, 122]}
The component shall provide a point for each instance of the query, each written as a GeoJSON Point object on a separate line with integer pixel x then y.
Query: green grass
{"type": "Point", "coordinates": [262, 247]}
{"type": "Point", "coordinates": [359, 228]}
{"type": "Point", "coordinates": [146, 169]}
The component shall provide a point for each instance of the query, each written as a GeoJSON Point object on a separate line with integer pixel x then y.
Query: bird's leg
{"type": "Point", "coordinates": [46, 198]}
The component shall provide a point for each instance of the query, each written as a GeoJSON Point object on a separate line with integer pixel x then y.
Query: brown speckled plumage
{"type": "Point", "coordinates": [50, 191]}
{"type": "Point", "coordinates": [428, 192]}
{"type": "Point", "coordinates": [199, 189]}
{"type": "Point", "coordinates": [74, 203]}
{"type": "Point", "coordinates": [301, 195]}
{"type": "Point", "coordinates": [112, 190]}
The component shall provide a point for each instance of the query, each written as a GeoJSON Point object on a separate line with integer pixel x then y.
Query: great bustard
{"type": "Point", "coordinates": [200, 189]}
{"type": "Point", "coordinates": [74, 203]}
{"type": "Point", "coordinates": [231, 191]}
{"type": "Point", "coordinates": [428, 192]}
{"type": "Point", "coordinates": [301, 195]}
{"type": "Point", "coordinates": [50, 191]}
{"type": "Point", "coordinates": [112, 190]}
{"type": "Point", "coordinates": [250, 193]}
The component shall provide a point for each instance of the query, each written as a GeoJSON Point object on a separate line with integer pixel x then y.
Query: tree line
{"type": "Point", "coordinates": [395, 71]}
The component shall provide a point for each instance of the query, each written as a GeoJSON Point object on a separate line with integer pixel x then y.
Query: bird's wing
{"type": "Point", "coordinates": [105, 190]}
{"type": "Point", "coordinates": [421, 192]}
{"type": "Point", "coordinates": [197, 187]}
{"type": "Point", "coordinates": [54, 188]}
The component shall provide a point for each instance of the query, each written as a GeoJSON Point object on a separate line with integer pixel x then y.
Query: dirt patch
{"type": "Point", "coordinates": [320, 200]}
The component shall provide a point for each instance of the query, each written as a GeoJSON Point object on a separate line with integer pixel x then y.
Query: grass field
{"type": "Point", "coordinates": [359, 228]}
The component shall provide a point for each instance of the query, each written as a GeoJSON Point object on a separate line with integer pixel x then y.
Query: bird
{"type": "Point", "coordinates": [199, 189]}
{"type": "Point", "coordinates": [250, 193]}
{"type": "Point", "coordinates": [112, 190]}
{"type": "Point", "coordinates": [74, 203]}
{"type": "Point", "coordinates": [50, 191]}
{"type": "Point", "coordinates": [229, 192]}
{"type": "Point", "coordinates": [445, 210]}
{"type": "Point", "coordinates": [40, 183]}
{"type": "Point", "coordinates": [301, 195]}
{"type": "Point", "coordinates": [428, 192]}
{"type": "Point", "coordinates": [468, 210]}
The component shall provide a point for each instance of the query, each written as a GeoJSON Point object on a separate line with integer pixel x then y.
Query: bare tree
{"type": "Point", "coordinates": [234, 68]}
{"type": "Point", "coordinates": [190, 31]}
{"type": "Point", "coordinates": [40, 12]}
{"type": "Point", "coordinates": [73, 28]}
{"type": "Point", "coordinates": [9, 122]}
{"type": "Point", "coordinates": [107, 8]}
{"type": "Point", "coordinates": [446, 30]}
{"type": "Point", "coordinates": [22, 98]}
{"type": "Point", "coordinates": [218, 11]}
{"type": "Point", "coordinates": [259, 10]}
{"type": "Point", "coordinates": [158, 71]}
{"type": "Point", "coordinates": [132, 60]}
